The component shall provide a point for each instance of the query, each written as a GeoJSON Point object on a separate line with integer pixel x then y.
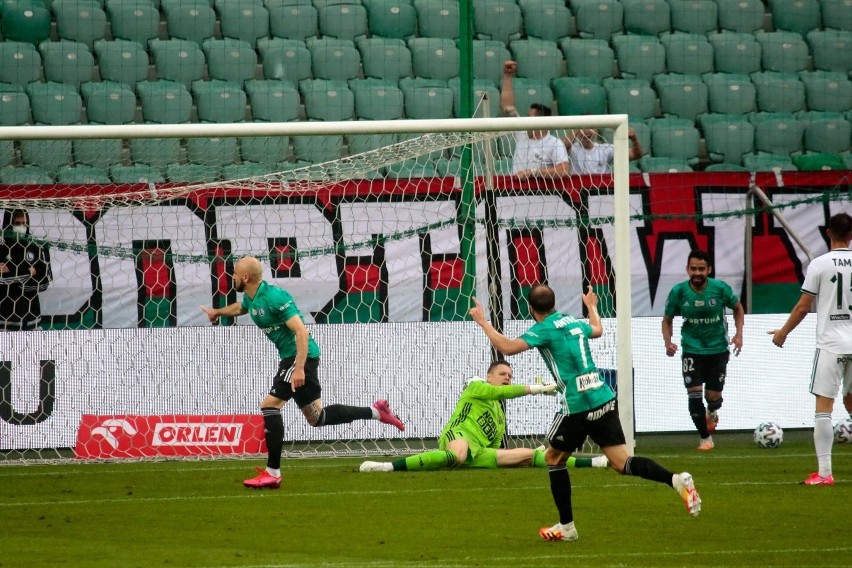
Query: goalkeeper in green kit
{"type": "Point", "coordinates": [472, 436]}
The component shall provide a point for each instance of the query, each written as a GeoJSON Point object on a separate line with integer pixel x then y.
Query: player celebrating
{"type": "Point", "coordinates": [701, 301]}
{"type": "Point", "coordinates": [828, 280]}
{"type": "Point", "coordinates": [472, 436]}
{"type": "Point", "coordinates": [274, 311]}
{"type": "Point", "coordinates": [588, 406]}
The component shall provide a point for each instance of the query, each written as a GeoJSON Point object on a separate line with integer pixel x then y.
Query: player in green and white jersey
{"type": "Point", "coordinates": [702, 301]}
{"type": "Point", "coordinates": [588, 406]}
{"type": "Point", "coordinates": [275, 313]}
{"type": "Point", "coordinates": [473, 434]}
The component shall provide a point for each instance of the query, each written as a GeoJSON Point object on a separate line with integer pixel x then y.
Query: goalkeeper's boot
{"type": "Point", "coordinates": [369, 466]}
{"type": "Point", "coordinates": [816, 479]}
{"type": "Point", "coordinates": [600, 461]}
{"type": "Point", "coordinates": [712, 419]}
{"type": "Point", "coordinates": [683, 484]}
{"type": "Point", "coordinates": [559, 532]}
{"type": "Point", "coordinates": [263, 480]}
{"type": "Point", "coordinates": [706, 444]}
{"type": "Point", "coordinates": [386, 415]}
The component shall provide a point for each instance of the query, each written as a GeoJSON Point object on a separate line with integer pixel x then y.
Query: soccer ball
{"type": "Point", "coordinates": [843, 431]}
{"type": "Point", "coordinates": [768, 435]}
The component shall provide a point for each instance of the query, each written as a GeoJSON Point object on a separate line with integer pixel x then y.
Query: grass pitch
{"type": "Point", "coordinates": [198, 514]}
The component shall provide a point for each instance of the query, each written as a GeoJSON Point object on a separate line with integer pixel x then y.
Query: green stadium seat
{"type": "Point", "coordinates": [694, 16]}
{"type": "Point", "coordinates": [837, 14]}
{"type": "Point", "coordinates": [157, 153]}
{"type": "Point", "coordinates": [243, 20]}
{"type": "Point", "coordinates": [437, 18]}
{"type": "Point", "coordinates": [735, 52]}
{"type": "Point", "coordinates": [82, 175]}
{"type": "Point", "coordinates": [361, 143]}
{"type": "Point", "coordinates": [728, 139]}
{"type": "Point", "coordinates": [192, 20]}
{"type": "Point", "coordinates": [783, 51]}
{"type": "Point", "coordinates": [49, 155]}
{"type": "Point", "coordinates": [681, 96]}
{"type": "Point", "coordinates": [778, 92]}
{"type": "Point", "coordinates": [488, 58]}
{"type": "Point", "coordinates": [537, 59]}
{"type": "Point", "coordinates": [285, 59]}
{"type": "Point", "coordinates": [193, 173]}
{"type": "Point", "coordinates": [777, 133]}
{"type": "Point", "coordinates": [828, 136]}
{"type": "Point", "coordinates": [532, 91]}
{"type": "Point", "coordinates": [689, 54]}
{"type": "Point", "coordinates": [768, 163]}
{"type": "Point", "coordinates": [212, 151]}
{"type": "Point", "coordinates": [164, 102]}
{"type": "Point", "coordinates": [588, 58]}
{"type": "Point", "coordinates": [730, 93]}
{"type": "Point", "coordinates": [177, 60]}
{"type": "Point", "coordinates": [25, 21]}
{"type": "Point", "coordinates": [122, 61]}
{"type": "Point", "coordinates": [579, 95]}
{"type": "Point", "coordinates": [108, 102]}
{"type": "Point", "coordinates": [82, 21]}
{"type": "Point", "coordinates": [741, 15]}
{"type": "Point", "coordinates": [599, 19]}
{"type": "Point", "coordinates": [25, 175]}
{"type": "Point", "coordinates": [247, 171]}
{"type": "Point", "coordinates": [327, 100]}
{"type": "Point", "coordinates": [391, 18]}
{"type": "Point", "coordinates": [831, 49]}
{"type": "Point", "coordinates": [343, 21]}
{"type": "Point", "coordinates": [499, 20]}
{"type": "Point", "coordinates": [647, 17]}
{"type": "Point", "coordinates": [413, 168]}
{"type": "Point", "coordinates": [267, 150]}
{"type": "Point", "coordinates": [675, 138]}
{"type": "Point", "coordinates": [133, 20]}
{"type": "Point", "coordinates": [827, 91]}
{"type": "Point", "coordinates": [384, 58]}
{"type": "Point", "coordinates": [633, 97]}
{"type": "Point", "coordinates": [425, 98]}
{"type": "Point", "coordinates": [20, 63]}
{"type": "Point", "coordinates": [7, 153]}
{"type": "Point", "coordinates": [548, 20]}
{"type": "Point", "coordinates": [219, 101]}
{"type": "Point", "coordinates": [67, 62]}
{"type": "Point", "coordinates": [14, 106]}
{"type": "Point", "coordinates": [135, 173]}
{"type": "Point", "coordinates": [317, 149]}
{"type": "Point", "coordinates": [819, 162]}
{"type": "Point", "coordinates": [725, 167]}
{"type": "Point", "coordinates": [376, 99]}
{"type": "Point", "coordinates": [334, 59]}
{"type": "Point", "coordinates": [294, 21]}
{"type": "Point", "coordinates": [55, 103]}
{"type": "Point", "coordinates": [639, 57]}
{"type": "Point", "coordinates": [800, 16]}
{"type": "Point", "coordinates": [658, 164]}
{"type": "Point", "coordinates": [481, 87]}
{"type": "Point", "coordinates": [230, 59]}
{"type": "Point", "coordinates": [434, 58]}
{"type": "Point", "coordinates": [273, 100]}
{"type": "Point", "coordinates": [98, 153]}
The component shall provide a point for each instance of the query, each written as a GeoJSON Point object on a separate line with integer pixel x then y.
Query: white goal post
{"type": "Point", "coordinates": [417, 139]}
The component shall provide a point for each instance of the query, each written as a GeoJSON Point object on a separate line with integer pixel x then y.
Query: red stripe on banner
{"type": "Point", "coordinates": [284, 258]}
{"type": "Point", "coordinates": [155, 273]}
{"type": "Point", "coordinates": [223, 280]}
{"type": "Point", "coordinates": [771, 261]}
{"type": "Point", "coordinates": [527, 261]}
{"type": "Point", "coordinates": [362, 278]}
{"type": "Point", "coordinates": [446, 274]}
{"type": "Point", "coordinates": [597, 265]}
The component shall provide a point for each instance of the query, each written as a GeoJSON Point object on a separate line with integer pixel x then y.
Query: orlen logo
{"type": "Point", "coordinates": [196, 434]}
{"type": "Point", "coordinates": [109, 430]}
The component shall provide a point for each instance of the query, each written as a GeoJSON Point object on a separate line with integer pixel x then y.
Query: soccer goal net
{"type": "Point", "coordinates": [382, 231]}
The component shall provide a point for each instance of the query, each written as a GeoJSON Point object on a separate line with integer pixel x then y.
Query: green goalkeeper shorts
{"type": "Point", "coordinates": [477, 456]}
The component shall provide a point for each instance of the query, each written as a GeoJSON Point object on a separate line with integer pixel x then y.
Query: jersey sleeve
{"type": "Point", "coordinates": [672, 304]}
{"type": "Point", "coordinates": [610, 153]}
{"type": "Point", "coordinates": [560, 153]}
{"type": "Point", "coordinates": [731, 299]}
{"type": "Point", "coordinates": [283, 305]}
{"type": "Point", "coordinates": [812, 279]}
{"type": "Point", "coordinates": [536, 336]}
{"type": "Point", "coordinates": [484, 391]}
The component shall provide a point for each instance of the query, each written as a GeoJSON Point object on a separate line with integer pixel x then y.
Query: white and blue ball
{"type": "Point", "coordinates": [768, 435]}
{"type": "Point", "coordinates": [843, 431]}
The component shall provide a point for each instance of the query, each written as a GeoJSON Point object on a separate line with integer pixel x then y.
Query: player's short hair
{"type": "Point", "coordinates": [496, 363]}
{"type": "Point", "coordinates": [541, 298]}
{"type": "Point", "coordinates": [541, 110]}
{"type": "Point", "coordinates": [840, 225]}
{"type": "Point", "coordinates": [698, 254]}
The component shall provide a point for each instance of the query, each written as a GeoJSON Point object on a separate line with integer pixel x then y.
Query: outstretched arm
{"type": "Point", "coordinates": [636, 148]}
{"type": "Point", "coordinates": [231, 311]}
{"type": "Point", "coordinates": [500, 342]}
{"type": "Point", "coordinates": [507, 88]}
{"type": "Point", "coordinates": [800, 310]}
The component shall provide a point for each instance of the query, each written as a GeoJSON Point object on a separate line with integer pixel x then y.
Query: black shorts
{"type": "Point", "coordinates": [601, 424]}
{"type": "Point", "coordinates": [304, 395]}
{"type": "Point", "coordinates": [707, 370]}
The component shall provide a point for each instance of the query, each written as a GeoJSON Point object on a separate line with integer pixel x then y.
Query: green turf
{"type": "Point", "coordinates": [198, 514]}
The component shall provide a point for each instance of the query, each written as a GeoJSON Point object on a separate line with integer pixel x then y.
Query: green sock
{"type": "Point", "coordinates": [538, 460]}
{"type": "Point", "coordinates": [436, 459]}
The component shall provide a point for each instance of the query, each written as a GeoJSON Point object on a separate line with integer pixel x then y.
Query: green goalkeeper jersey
{"type": "Point", "coordinates": [270, 309]}
{"type": "Point", "coordinates": [480, 414]}
{"type": "Point", "coordinates": [705, 327]}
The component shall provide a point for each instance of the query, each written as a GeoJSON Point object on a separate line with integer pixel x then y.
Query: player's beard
{"type": "Point", "coordinates": [698, 282]}
{"type": "Point", "coordinates": [239, 285]}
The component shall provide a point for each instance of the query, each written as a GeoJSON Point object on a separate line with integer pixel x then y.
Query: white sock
{"type": "Point", "coordinates": [823, 440]}
{"type": "Point", "coordinates": [273, 472]}
{"type": "Point", "coordinates": [375, 413]}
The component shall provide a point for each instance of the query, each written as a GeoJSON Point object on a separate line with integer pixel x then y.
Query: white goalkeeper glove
{"type": "Point", "coordinates": [548, 388]}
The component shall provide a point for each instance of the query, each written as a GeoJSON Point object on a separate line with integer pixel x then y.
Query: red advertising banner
{"type": "Point", "coordinates": [131, 436]}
